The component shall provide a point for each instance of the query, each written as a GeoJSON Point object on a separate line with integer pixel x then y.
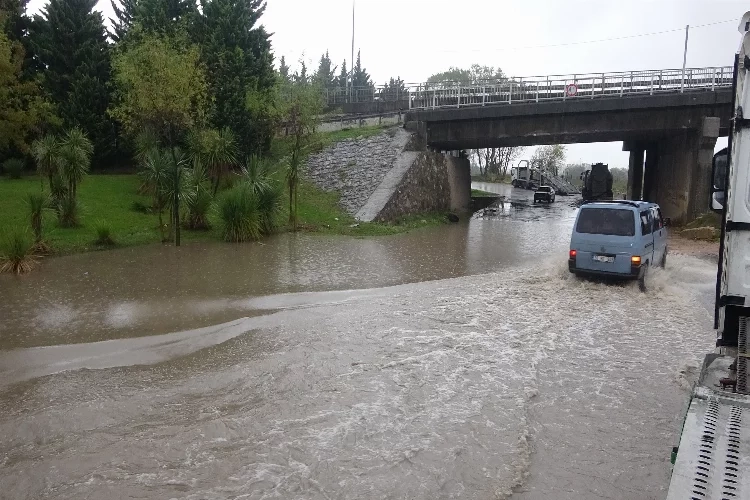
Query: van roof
{"type": "Point", "coordinates": [620, 204]}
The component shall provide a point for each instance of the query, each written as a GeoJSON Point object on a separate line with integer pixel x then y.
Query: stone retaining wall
{"type": "Point", "coordinates": [356, 167]}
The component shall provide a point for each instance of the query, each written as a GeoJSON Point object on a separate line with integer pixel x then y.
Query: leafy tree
{"type": "Point", "coordinates": [163, 88]}
{"type": "Point", "coordinates": [236, 51]}
{"type": "Point", "coordinates": [360, 77]}
{"type": "Point", "coordinates": [472, 76]}
{"type": "Point", "coordinates": [284, 71]}
{"type": "Point", "coordinates": [495, 161]}
{"type": "Point", "coordinates": [125, 11]}
{"type": "Point", "coordinates": [70, 41]}
{"type": "Point", "coordinates": [549, 158]}
{"type": "Point", "coordinates": [326, 74]}
{"type": "Point", "coordinates": [23, 111]}
{"type": "Point", "coordinates": [301, 111]}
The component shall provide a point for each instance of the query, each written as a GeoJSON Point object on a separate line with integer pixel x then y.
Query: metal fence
{"type": "Point", "coordinates": [540, 88]}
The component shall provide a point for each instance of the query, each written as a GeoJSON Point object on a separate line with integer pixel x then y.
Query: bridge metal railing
{"type": "Point", "coordinates": [539, 88]}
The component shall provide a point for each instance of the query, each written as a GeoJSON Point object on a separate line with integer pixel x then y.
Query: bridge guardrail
{"type": "Point", "coordinates": [539, 88]}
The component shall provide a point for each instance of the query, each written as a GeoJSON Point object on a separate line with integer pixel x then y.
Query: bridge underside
{"type": "Point", "coordinates": [670, 131]}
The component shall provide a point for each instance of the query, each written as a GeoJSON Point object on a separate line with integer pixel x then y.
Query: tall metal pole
{"type": "Point", "coordinates": [684, 58]}
{"type": "Point", "coordinates": [351, 62]}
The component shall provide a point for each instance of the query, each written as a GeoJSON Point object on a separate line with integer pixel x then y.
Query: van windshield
{"type": "Point", "coordinates": [609, 221]}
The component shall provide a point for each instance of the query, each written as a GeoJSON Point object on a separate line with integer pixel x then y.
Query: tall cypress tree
{"type": "Point", "coordinates": [239, 64]}
{"type": "Point", "coordinates": [166, 17]}
{"type": "Point", "coordinates": [70, 41]}
{"type": "Point", "coordinates": [124, 17]}
{"type": "Point", "coordinates": [284, 70]}
{"type": "Point", "coordinates": [326, 74]}
{"type": "Point", "coordinates": [360, 77]}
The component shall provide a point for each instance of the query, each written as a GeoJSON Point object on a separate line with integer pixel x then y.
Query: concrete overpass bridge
{"type": "Point", "coordinates": [669, 120]}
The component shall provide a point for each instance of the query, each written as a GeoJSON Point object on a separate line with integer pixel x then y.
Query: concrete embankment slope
{"type": "Point", "coordinates": [382, 177]}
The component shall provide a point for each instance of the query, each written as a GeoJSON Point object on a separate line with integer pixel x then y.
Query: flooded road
{"type": "Point", "coordinates": [455, 362]}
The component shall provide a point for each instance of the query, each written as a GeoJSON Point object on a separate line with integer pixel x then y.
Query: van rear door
{"type": "Point", "coordinates": [647, 236]}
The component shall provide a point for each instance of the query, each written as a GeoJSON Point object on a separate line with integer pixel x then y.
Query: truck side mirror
{"type": "Point", "coordinates": [718, 180]}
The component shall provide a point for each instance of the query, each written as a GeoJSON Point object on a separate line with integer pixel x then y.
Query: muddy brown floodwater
{"type": "Point", "coordinates": [454, 362]}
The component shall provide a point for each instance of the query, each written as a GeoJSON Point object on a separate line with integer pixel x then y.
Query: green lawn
{"type": "Point", "coordinates": [110, 199]}
{"type": "Point", "coordinates": [103, 198]}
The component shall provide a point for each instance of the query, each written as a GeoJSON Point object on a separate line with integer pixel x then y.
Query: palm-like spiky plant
{"type": "Point", "coordinates": [216, 149]}
{"type": "Point", "coordinates": [200, 203]}
{"type": "Point", "coordinates": [45, 153]}
{"type": "Point", "coordinates": [38, 203]}
{"type": "Point", "coordinates": [75, 151]}
{"type": "Point", "coordinates": [154, 173]}
{"type": "Point", "coordinates": [257, 174]}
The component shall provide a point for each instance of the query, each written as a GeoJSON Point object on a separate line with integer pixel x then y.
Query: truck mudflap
{"type": "Point", "coordinates": [713, 457]}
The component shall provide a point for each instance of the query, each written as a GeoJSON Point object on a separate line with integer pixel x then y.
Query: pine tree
{"type": "Point", "coordinates": [236, 50]}
{"type": "Point", "coordinates": [70, 41]}
{"type": "Point", "coordinates": [284, 70]}
{"type": "Point", "coordinates": [124, 16]}
{"type": "Point", "coordinates": [360, 77]}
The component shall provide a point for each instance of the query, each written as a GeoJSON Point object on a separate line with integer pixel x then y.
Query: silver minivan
{"type": "Point", "coordinates": [618, 239]}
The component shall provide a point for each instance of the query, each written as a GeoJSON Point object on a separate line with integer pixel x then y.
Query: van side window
{"type": "Point", "coordinates": [646, 220]}
{"type": "Point", "coordinates": [658, 222]}
{"type": "Point", "coordinates": [661, 219]}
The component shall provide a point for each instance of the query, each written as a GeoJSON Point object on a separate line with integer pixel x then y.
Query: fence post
{"type": "Point", "coordinates": [713, 80]}
{"type": "Point", "coordinates": [484, 95]}
{"type": "Point", "coordinates": [652, 84]}
{"type": "Point", "coordinates": [510, 92]}
{"type": "Point", "coordinates": [622, 85]}
{"type": "Point", "coordinates": [459, 97]}
{"type": "Point", "coordinates": [537, 91]}
{"type": "Point", "coordinates": [408, 97]}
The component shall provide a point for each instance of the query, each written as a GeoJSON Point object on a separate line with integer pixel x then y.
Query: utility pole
{"type": "Point", "coordinates": [684, 58]}
{"type": "Point", "coordinates": [351, 66]}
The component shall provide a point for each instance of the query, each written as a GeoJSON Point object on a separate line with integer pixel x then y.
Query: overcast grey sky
{"type": "Point", "coordinates": [416, 38]}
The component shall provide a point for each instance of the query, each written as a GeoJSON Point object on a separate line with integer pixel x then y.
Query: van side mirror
{"type": "Point", "coordinates": [719, 167]}
{"type": "Point", "coordinates": [667, 222]}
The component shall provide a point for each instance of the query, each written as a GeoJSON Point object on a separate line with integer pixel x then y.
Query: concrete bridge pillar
{"type": "Point", "coordinates": [635, 169]}
{"type": "Point", "coordinates": [649, 176]}
{"type": "Point", "coordinates": [459, 179]}
{"type": "Point", "coordinates": [682, 175]}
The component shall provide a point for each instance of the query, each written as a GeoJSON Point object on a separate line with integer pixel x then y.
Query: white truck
{"type": "Point", "coordinates": [712, 460]}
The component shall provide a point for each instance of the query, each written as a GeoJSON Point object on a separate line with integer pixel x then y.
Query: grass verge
{"type": "Point", "coordinates": [478, 193]}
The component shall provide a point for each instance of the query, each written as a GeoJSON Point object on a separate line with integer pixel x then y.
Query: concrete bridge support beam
{"type": "Point", "coordinates": [649, 176]}
{"type": "Point", "coordinates": [683, 172]}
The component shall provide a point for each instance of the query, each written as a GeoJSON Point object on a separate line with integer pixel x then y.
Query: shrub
{"type": "Point", "coordinates": [103, 234]}
{"type": "Point", "coordinates": [239, 215]}
{"type": "Point", "coordinates": [13, 167]}
{"type": "Point", "coordinates": [198, 208]}
{"type": "Point", "coordinates": [269, 205]}
{"type": "Point", "coordinates": [16, 254]}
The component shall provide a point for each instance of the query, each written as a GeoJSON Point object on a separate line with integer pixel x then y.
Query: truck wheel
{"type": "Point", "coordinates": [664, 260]}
